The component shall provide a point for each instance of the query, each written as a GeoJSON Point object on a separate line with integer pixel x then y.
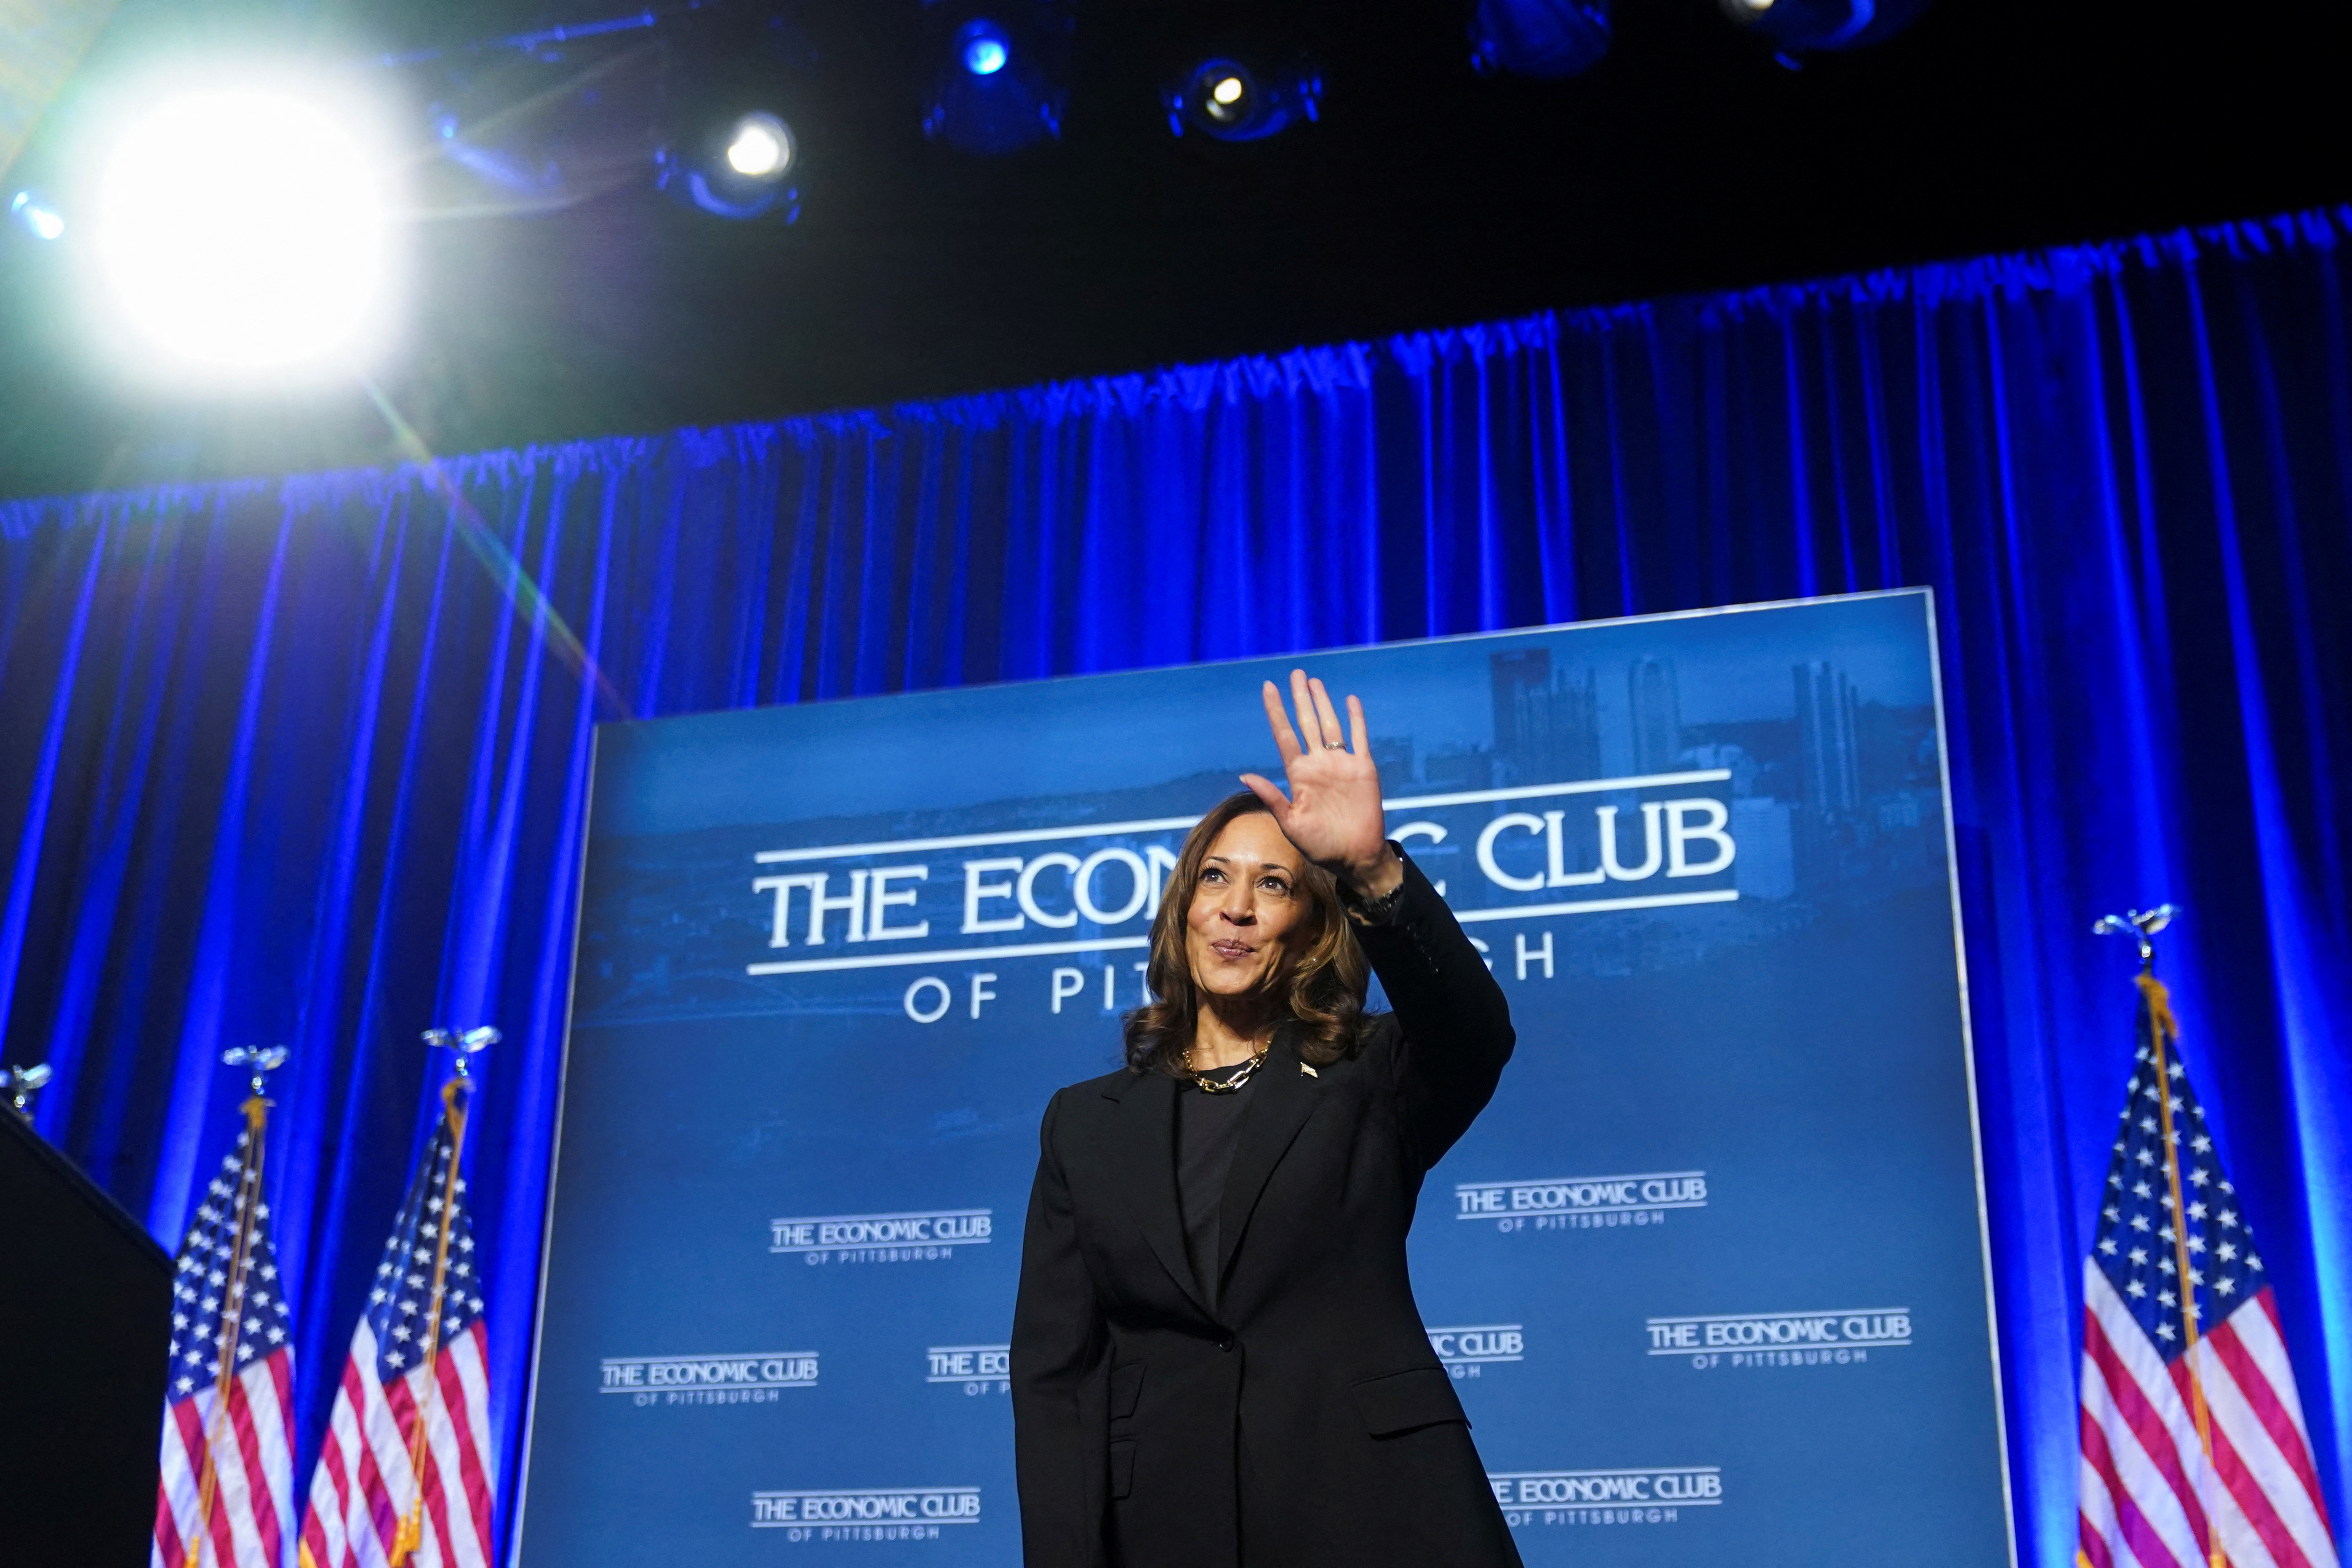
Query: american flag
{"type": "Point", "coordinates": [226, 1496]}
{"type": "Point", "coordinates": [2194, 1450]}
{"type": "Point", "coordinates": [408, 1442]}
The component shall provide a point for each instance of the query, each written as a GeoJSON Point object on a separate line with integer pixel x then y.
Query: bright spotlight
{"type": "Point", "coordinates": [37, 216]}
{"type": "Point", "coordinates": [760, 149]}
{"type": "Point", "coordinates": [736, 170]}
{"type": "Point", "coordinates": [1805, 24]}
{"type": "Point", "coordinates": [984, 53]}
{"type": "Point", "coordinates": [1226, 100]}
{"type": "Point", "coordinates": [248, 231]}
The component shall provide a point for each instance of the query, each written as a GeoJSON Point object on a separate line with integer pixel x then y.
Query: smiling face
{"type": "Point", "coordinates": [1244, 923]}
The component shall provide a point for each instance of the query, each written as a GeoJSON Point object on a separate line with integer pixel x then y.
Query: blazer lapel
{"type": "Point", "coordinates": [1143, 1157]}
{"type": "Point", "coordinates": [1288, 1097]}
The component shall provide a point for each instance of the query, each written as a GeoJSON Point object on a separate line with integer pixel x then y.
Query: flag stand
{"type": "Point", "coordinates": [455, 1097]}
{"type": "Point", "coordinates": [2163, 1028]}
{"type": "Point", "coordinates": [248, 1200]}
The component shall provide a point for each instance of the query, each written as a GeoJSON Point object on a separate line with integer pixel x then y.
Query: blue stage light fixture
{"type": "Point", "coordinates": [984, 50]}
{"type": "Point", "coordinates": [1551, 39]}
{"type": "Point", "coordinates": [1805, 26]}
{"type": "Point", "coordinates": [1002, 81]}
{"type": "Point", "coordinates": [741, 171]}
{"type": "Point", "coordinates": [37, 216]}
{"type": "Point", "coordinates": [1226, 100]}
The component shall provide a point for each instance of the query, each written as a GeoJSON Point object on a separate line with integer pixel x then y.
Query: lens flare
{"type": "Point", "coordinates": [40, 219]}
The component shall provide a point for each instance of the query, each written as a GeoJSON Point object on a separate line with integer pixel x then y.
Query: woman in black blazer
{"type": "Point", "coordinates": [1216, 1357]}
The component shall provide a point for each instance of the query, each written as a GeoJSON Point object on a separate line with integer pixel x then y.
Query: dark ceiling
{"type": "Point", "coordinates": [1426, 195]}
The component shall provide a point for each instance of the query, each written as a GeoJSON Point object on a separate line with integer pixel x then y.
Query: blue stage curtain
{"type": "Point", "coordinates": [303, 758]}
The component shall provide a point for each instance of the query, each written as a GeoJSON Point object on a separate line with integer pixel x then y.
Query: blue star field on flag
{"type": "Point", "coordinates": [2138, 1246]}
{"type": "Point", "coordinates": [402, 1299]}
{"type": "Point", "coordinates": [202, 1292]}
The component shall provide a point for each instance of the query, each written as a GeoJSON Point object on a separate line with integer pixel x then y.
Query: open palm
{"type": "Point", "coordinates": [1333, 810]}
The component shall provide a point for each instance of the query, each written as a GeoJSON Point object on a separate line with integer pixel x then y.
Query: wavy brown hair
{"type": "Point", "coordinates": [1323, 986]}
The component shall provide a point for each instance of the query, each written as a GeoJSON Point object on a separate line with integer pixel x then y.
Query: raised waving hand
{"type": "Point", "coordinates": [1332, 813]}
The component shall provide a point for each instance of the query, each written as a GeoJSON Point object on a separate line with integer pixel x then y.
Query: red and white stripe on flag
{"type": "Point", "coordinates": [252, 1501]}
{"type": "Point", "coordinates": [2194, 1452]}
{"type": "Point", "coordinates": [365, 1484]}
{"type": "Point", "coordinates": [409, 1438]}
{"type": "Point", "coordinates": [2149, 1500]}
{"type": "Point", "coordinates": [226, 1494]}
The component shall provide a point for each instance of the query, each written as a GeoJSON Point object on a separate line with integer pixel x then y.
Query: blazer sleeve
{"type": "Point", "coordinates": [1061, 1348]}
{"type": "Point", "coordinates": [1454, 1026]}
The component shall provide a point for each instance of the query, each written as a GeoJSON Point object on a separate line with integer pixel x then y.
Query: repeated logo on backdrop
{"type": "Point", "coordinates": [1840, 1337]}
{"type": "Point", "coordinates": [926, 1236]}
{"type": "Point", "coordinates": [749, 1379]}
{"type": "Point", "coordinates": [1469, 1351]}
{"type": "Point", "coordinates": [858, 1513]}
{"type": "Point", "coordinates": [834, 960]}
{"type": "Point", "coordinates": [1580, 1202]}
{"type": "Point", "coordinates": [1541, 1498]}
{"type": "Point", "coordinates": [975, 1369]}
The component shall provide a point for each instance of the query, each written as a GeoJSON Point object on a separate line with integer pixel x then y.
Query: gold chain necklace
{"type": "Point", "coordinates": [1224, 1087]}
{"type": "Point", "coordinates": [1231, 1085]}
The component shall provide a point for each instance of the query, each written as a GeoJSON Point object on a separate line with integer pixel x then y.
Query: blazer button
{"type": "Point", "coordinates": [1224, 1344]}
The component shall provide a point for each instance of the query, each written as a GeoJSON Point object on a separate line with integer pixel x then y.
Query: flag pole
{"type": "Point", "coordinates": [2163, 1028]}
{"type": "Point", "coordinates": [454, 1095]}
{"type": "Point", "coordinates": [248, 1200]}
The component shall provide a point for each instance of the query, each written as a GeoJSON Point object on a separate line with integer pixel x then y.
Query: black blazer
{"type": "Point", "coordinates": [1306, 1422]}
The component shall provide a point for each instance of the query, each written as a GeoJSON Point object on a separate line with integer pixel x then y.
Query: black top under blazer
{"type": "Point", "coordinates": [1306, 1424]}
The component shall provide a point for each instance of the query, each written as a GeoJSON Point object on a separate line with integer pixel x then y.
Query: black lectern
{"type": "Point", "coordinates": [85, 1326]}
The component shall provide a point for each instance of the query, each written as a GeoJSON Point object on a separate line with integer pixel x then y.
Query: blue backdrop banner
{"type": "Point", "coordinates": [305, 759]}
{"type": "Point", "coordinates": [1710, 1272]}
